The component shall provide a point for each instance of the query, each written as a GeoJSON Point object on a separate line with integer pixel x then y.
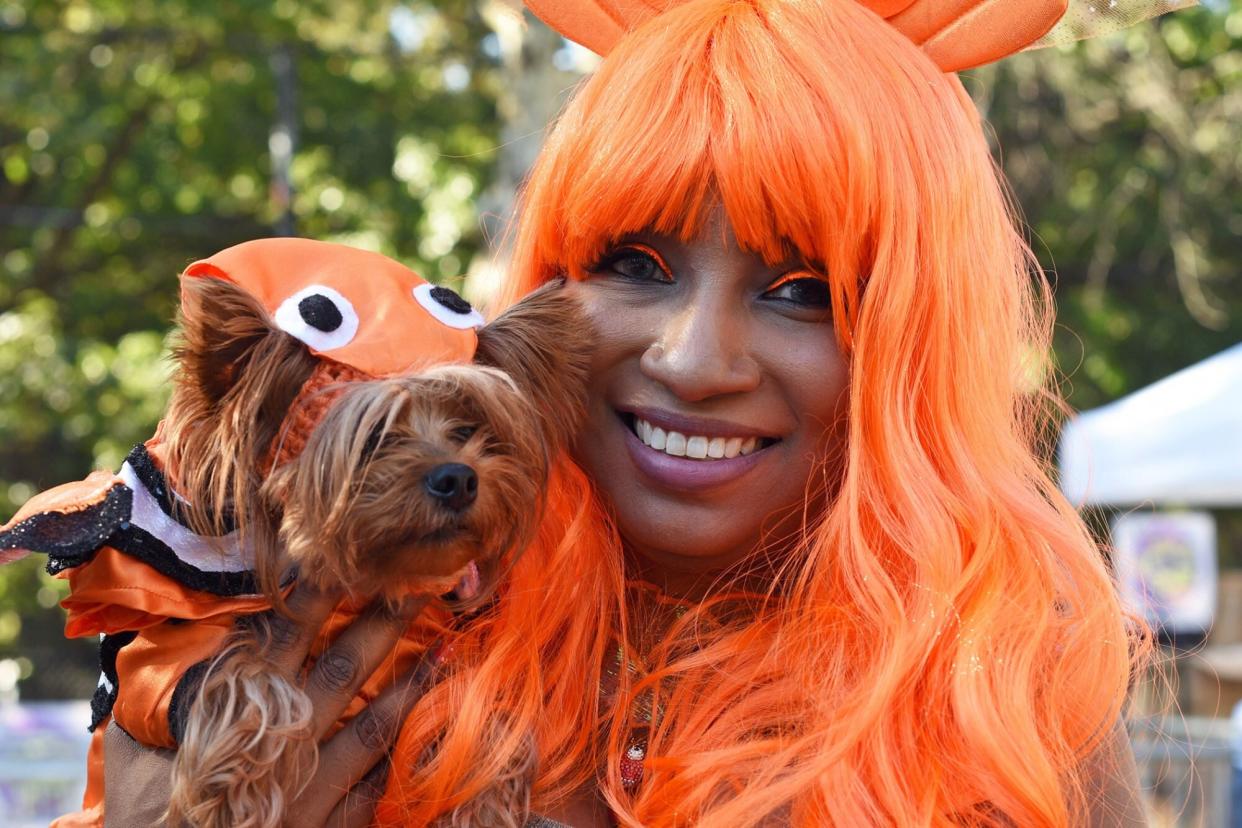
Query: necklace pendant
{"type": "Point", "coordinates": [632, 767]}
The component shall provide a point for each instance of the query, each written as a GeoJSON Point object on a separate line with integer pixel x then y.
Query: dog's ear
{"type": "Point", "coordinates": [230, 348]}
{"type": "Point", "coordinates": [238, 376]}
{"type": "Point", "coordinates": [221, 325]}
{"type": "Point", "coordinates": [544, 343]}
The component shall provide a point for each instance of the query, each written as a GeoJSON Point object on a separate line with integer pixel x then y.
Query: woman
{"type": "Point", "coordinates": [805, 567]}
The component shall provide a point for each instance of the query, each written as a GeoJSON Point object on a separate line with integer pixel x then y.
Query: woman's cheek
{"type": "Point", "coordinates": [621, 328]}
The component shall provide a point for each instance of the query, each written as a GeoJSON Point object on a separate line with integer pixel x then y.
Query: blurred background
{"type": "Point", "coordinates": [139, 135]}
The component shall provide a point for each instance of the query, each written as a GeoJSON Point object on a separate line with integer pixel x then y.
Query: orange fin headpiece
{"type": "Point", "coordinates": [956, 34]}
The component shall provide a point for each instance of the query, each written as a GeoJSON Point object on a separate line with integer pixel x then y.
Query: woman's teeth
{"type": "Point", "coordinates": [694, 446]}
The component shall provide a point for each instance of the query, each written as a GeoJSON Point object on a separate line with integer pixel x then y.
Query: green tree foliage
{"type": "Point", "coordinates": [1124, 156]}
{"type": "Point", "coordinates": [139, 135]}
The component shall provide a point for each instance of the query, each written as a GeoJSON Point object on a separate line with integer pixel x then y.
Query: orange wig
{"type": "Point", "coordinates": [944, 646]}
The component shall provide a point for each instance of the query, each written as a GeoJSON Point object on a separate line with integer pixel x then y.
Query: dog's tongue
{"type": "Point", "coordinates": [470, 584]}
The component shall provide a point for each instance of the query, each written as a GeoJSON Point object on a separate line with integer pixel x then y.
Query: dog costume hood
{"type": "Point", "coordinates": [347, 305]}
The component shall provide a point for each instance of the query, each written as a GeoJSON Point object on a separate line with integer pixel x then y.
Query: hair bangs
{"type": "Point", "coordinates": [823, 133]}
{"type": "Point", "coordinates": [648, 166]}
{"type": "Point", "coordinates": [753, 107]}
{"type": "Point", "coordinates": [661, 162]}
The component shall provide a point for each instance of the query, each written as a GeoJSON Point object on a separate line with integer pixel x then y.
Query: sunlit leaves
{"type": "Point", "coordinates": [135, 137]}
{"type": "Point", "coordinates": [1124, 157]}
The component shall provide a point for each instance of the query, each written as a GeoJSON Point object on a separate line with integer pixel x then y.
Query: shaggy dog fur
{"type": "Point", "coordinates": [329, 474]}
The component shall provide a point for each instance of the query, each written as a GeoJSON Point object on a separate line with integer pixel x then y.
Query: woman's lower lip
{"type": "Point", "coordinates": [685, 474]}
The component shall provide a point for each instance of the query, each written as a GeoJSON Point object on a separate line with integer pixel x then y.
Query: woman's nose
{"type": "Point", "coordinates": [702, 351]}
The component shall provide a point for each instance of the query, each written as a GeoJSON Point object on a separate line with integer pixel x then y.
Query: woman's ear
{"type": "Point", "coordinates": [544, 343]}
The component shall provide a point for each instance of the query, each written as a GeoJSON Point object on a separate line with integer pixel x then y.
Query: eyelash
{"type": "Point", "coordinates": [634, 251]}
{"type": "Point", "coordinates": [792, 278]}
{"type": "Point", "coordinates": [611, 259]}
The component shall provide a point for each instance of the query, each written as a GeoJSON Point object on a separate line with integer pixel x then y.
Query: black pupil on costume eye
{"type": "Point", "coordinates": [320, 312]}
{"type": "Point", "coordinates": [450, 300]}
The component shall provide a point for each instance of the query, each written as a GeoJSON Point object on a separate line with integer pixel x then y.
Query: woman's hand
{"type": "Point", "coordinates": [352, 766]}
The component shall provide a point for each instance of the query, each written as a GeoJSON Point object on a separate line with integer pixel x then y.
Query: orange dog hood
{"type": "Point", "coordinates": [351, 306]}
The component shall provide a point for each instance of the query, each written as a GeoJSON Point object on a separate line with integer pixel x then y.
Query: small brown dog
{"type": "Point", "coordinates": [334, 417]}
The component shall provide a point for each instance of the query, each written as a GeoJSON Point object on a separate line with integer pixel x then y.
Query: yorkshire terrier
{"type": "Point", "coordinates": [334, 420]}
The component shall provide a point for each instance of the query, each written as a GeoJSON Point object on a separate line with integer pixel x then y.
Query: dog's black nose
{"type": "Point", "coordinates": [455, 485]}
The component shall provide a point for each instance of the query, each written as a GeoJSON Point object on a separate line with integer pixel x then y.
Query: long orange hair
{"type": "Point", "coordinates": [944, 646]}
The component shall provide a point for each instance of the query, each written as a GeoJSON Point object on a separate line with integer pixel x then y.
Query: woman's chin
{"type": "Point", "coordinates": [683, 537]}
{"type": "Point", "coordinates": [690, 515]}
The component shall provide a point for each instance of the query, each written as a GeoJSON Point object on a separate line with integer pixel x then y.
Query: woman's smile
{"type": "Point", "coordinates": [686, 453]}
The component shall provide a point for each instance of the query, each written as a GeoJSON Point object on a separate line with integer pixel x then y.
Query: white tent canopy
{"type": "Point", "coordinates": [1177, 442]}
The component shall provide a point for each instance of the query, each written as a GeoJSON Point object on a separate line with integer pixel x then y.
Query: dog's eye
{"type": "Point", "coordinates": [463, 433]}
{"type": "Point", "coordinates": [447, 307]}
{"type": "Point", "coordinates": [319, 316]}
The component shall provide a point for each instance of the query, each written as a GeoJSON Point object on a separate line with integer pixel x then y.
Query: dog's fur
{"type": "Point", "coordinates": [349, 508]}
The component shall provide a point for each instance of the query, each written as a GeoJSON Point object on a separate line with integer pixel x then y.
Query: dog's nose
{"type": "Point", "coordinates": [455, 485]}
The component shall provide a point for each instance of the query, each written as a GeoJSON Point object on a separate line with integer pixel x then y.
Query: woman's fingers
{"type": "Point", "coordinates": [345, 758]}
{"type": "Point", "coordinates": [353, 657]}
{"type": "Point", "coordinates": [347, 783]}
{"type": "Point", "coordinates": [358, 807]}
{"type": "Point", "coordinates": [290, 638]}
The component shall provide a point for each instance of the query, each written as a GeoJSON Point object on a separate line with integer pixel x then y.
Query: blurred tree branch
{"type": "Point", "coordinates": [134, 138]}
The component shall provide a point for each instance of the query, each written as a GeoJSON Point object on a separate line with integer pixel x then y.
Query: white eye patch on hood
{"type": "Point", "coordinates": [319, 316]}
{"type": "Point", "coordinates": [447, 307]}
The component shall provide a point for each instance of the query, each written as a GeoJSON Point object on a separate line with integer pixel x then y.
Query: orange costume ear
{"type": "Point", "coordinates": [956, 34]}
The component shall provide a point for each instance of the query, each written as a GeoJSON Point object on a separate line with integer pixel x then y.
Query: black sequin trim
{"type": "Point", "coordinates": [72, 538]}
{"type": "Point", "coordinates": [141, 544]}
{"type": "Point", "coordinates": [144, 467]}
{"type": "Point", "coordinates": [183, 696]}
{"type": "Point", "coordinates": [103, 700]}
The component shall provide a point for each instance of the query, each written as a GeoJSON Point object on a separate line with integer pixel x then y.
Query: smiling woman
{"type": "Point", "coordinates": [786, 225]}
{"type": "Point", "coordinates": [803, 565]}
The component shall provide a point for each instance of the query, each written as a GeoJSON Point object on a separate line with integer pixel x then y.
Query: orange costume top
{"type": "Point", "coordinates": [162, 598]}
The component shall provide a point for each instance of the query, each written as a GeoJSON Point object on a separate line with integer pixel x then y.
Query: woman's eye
{"type": "Point", "coordinates": [637, 263]}
{"type": "Point", "coordinates": [805, 289]}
